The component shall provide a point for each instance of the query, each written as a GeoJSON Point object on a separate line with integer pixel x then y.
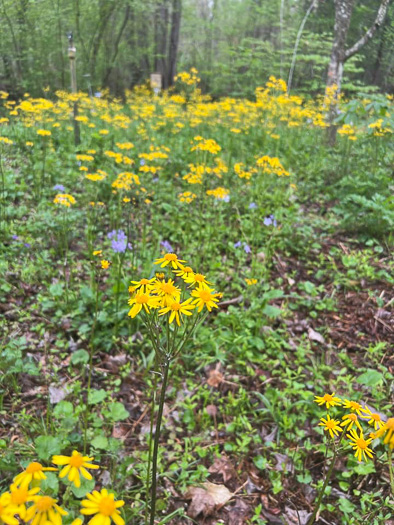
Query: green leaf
{"type": "Point", "coordinates": [260, 462]}
{"type": "Point", "coordinates": [100, 442]}
{"type": "Point", "coordinates": [47, 446]}
{"type": "Point", "coordinates": [346, 506]}
{"type": "Point", "coordinates": [362, 469]}
{"type": "Point", "coordinates": [63, 409]}
{"type": "Point", "coordinates": [117, 412]}
{"type": "Point", "coordinates": [56, 290]}
{"type": "Point", "coordinates": [51, 484]}
{"type": "Point", "coordinates": [96, 396]}
{"type": "Point", "coordinates": [80, 356]}
{"type": "Point", "coordinates": [271, 311]}
{"type": "Point", "coordinates": [86, 486]}
{"type": "Point", "coordinates": [304, 478]}
{"type": "Point", "coordinates": [370, 378]}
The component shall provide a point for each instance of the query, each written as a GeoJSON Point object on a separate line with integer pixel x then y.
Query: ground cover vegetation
{"type": "Point", "coordinates": [196, 308]}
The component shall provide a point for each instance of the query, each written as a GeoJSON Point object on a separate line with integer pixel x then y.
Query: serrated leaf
{"type": "Point", "coordinates": [47, 446]}
{"type": "Point", "coordinates": [96, 396]}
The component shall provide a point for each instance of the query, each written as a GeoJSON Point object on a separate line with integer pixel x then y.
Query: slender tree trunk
{"type": "Point", "coordinates": [161, 31]}
{"type": "Point", "coordinates": [116, 45]}
{"type": "Point", "coordinates": [339, 53]}
{"type": "Point", "coordinates": [343, 14]}
{"type": "Point", "coordinates": [174, 40]}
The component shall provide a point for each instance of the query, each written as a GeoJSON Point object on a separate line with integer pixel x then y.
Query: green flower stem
{"type": "Point", "coordinates": [152, 417]}
{"type": "Point", "coordinates": [390, 463]}
{"type": "Point", "coordinates": [2, 211]}
{"type": "Point", "coordinates": [166, 367]}
{"type": "Point", "coordinates": [91, 351]}
{"type": "Point", "coordinates": [327, 479]}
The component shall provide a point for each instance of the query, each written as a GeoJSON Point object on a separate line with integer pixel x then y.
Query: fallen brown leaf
{"type": "Point", "coordinates": [207, 498]}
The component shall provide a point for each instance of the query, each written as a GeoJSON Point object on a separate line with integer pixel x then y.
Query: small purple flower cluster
{"type": "Point", "coordinates": [119, 241]}
{"type": "Point", "coordinates": [252, 206]}
{"type": "Point", "coordinates": [58, 187]}
{"type": "Point", "coordinates": [245, 246]}
{"type": "Point", "coordinates": [166, 246]}
{"type": "Point", "coordinates": [270, 221]}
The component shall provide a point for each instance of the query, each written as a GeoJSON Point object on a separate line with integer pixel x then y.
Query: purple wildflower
{"type": "Point", "coordinates": [58, 187]}
{"type": "Point", "coordinates": [247, 248]}
{"type": "Point", "coordinates": [166, 246]}
{"type": "Point", "coordinates": [27, 245]}
{"type": "Point", "coordinates": [252, 206]}
{"type": "Point", "coordinates": [238, 244]}
{"type": "Point", "coordinates": [119, 240]}
{"type": "Point", "coordinates": [142, 162]}
{"type": "Point", "coordinates": [98, 94]}
{"type": "Point", "coordinates": [270, 221]}
{"type": "Point", "coordinates": [15, 238]}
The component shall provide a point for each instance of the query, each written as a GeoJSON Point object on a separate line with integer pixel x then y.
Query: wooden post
{"type": "Point", "coordinates": [73, 70]}
{"type": "Point", "coordinates": [156, 83]}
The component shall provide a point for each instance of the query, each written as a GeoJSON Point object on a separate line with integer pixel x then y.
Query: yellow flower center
{"type": "Point", "coordinates": [107, 506]}
{"type": "Point", "coordinates": [375, 417]}
{"type": "Point", "coordinates": [328, 397]}
{"type": "Point", "coordinates": [175, 307]}
{"type": "Point", "coordinates": [168, 288]}
{"type": "Point", "coordinates": [144, 281]}
{"type": "Point", "coordinates": [1, 509]}
{"type": "Point", "coordinates": [76, 460]}
{"type": "Point", "coordinates": [142, 299]}
{"type": "Point", "coordinates": [390, 424]}
{"type": "Point", "coordinates": [331, 423]}
{"type": "Point", "coordinates": [199, 277]}
{"type": "Point", "coordinates": [351, 417]}
{"type": "Point", "coordinates": [361, 443]}
{"type": "Point", "coordinates": [187, 269]}
{"type": "Point", "coordinates": [170, 257]}
{"type": "Point", "coordinates": [45, 503]}
{"type": "Point", "coordinates": [205, 296]}
{"type": "Point", "coordinates": [354, 406]}
{"type": "Point", "coordinates": [34, 467]}
{"type": "Point", "coordinates": [19, 496]}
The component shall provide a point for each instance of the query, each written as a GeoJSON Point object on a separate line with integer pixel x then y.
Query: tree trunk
{"type": "Point", "coordinates": [174, 40]}
{"type": "Point", "coordinates": [339, 53]}
{"type": "Point", "coordinates": [343, 14]}
{"type": "Point", "coordinates": [161, 30]}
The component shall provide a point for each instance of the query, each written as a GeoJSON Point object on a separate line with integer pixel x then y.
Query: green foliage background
{"type": "Point", "coordinates": [235, 44]}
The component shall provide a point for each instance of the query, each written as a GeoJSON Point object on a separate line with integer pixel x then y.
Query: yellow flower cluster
{"type": "Point", "coordinates": [25, 500]}
{"type": "Point", "coordinates": [64, 199]}
{"type": "Point", "coordinates": [6, 140]}
{"type": "Point", "coordinates": [277, 84]}
{"type": "Point", "coordinates": [189, 79]}
{"type": "Point", "coordinates": [219, 193]}
{"type": "Point", "coordinates": [159, 296]}
{"type": "Point", "coordinates": [348, 130]}
{"type": "Point", "coordinates": [241, 172]}
{"type": "Point", "coordinates": [187, 196]}
{"type": "Point", "coordinates": [99, 175]}
{"type": "Point", "coordinates": [272, 165]}
{"type": "Point", "coordinates": [125, 180]}
{"type": "Point", "coordinates": [209, 145]}
{"type": "Point", "coordinates": [356, 413]}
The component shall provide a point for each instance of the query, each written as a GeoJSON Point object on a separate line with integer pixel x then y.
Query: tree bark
{"type": "Point", "coordinates": [161, 31]}
{"type": "Point", "coordinates": [174, 40]}
{"type": "Point", "coordinates": [339, 53]}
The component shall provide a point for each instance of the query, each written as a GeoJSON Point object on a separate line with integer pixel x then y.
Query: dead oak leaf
{"type": "Point", "coordinates": [207, 498]}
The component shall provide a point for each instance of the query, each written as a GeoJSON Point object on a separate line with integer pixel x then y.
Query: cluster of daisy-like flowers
{"type": "Point", "coordinates": [26, 502]}
{"type": "Point", "coordinates": [162, 296]}
{"type": "Point", "coordinates": [356, 414]}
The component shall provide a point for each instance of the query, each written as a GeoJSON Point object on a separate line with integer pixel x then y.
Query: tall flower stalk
{"type": "Point", "coordinates": [171, 315]}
